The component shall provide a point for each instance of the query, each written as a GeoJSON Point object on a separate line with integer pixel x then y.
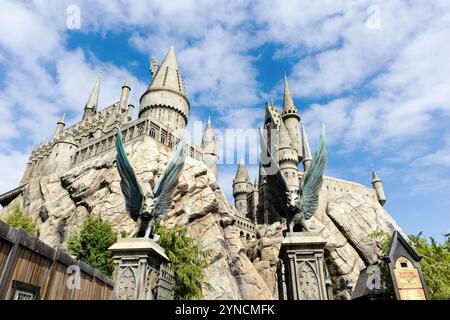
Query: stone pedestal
{"type": "Point", "coordinates": [140, 268]}
{"type": "Point", "coordinates": [303, 259]}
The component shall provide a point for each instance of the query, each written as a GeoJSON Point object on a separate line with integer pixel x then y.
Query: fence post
{"type": "Point", "coordinates": [10, 261]}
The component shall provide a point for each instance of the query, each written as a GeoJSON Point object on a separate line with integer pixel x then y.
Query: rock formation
{"type": "Point", "coordinates": [236, 270]}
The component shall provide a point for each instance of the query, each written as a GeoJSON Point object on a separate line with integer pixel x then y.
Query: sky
{"type": "Point", "coordinates": [377, 73]}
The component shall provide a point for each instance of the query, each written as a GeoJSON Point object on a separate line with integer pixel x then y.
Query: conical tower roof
{"type": "Point", "coordinates": [242, 173]}
{"type": "Point", "coordinates": [209, 141]}
{"type": "Point", "coordinates": [306, 150]}
{"type": "Point", "coordinates": [166, 90]}
{"type": "Point", "coordinates": [127, 84]}
{"type": "Point", "coordinates": [375, 177]}
{"type": "Point", "coordinates": [93, 98]}
{"type": "Point", "coordinates": [62, 119]}
{"type": "Point", "coordinates": [288, 102]}
{"type": "Point", "coordinates": [168, 75]}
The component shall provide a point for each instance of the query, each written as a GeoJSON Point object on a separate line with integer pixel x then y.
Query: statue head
{"type": "Point", "coordinates": [293, 199]}
{"type": "Point", "coordinates": [148, 207]}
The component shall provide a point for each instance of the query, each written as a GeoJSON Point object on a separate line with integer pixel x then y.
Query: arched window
{"type": "Point", "coordinates": [152, 132]}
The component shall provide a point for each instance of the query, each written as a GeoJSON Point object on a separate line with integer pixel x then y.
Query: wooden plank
{"type": "Point", "coordinates": [10, 262]}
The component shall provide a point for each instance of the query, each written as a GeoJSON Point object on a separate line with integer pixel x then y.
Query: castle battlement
{"type": "Point", "coordinates": [158, 131]}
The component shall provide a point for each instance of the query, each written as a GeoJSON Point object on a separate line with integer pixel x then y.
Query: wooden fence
{"type": "Point", "coordinates": [30, 269]}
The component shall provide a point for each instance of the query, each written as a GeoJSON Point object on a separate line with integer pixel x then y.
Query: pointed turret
{"type": "Point", "coordinates": [378, 186]}
{"type": "Point", "coordinates": [60, 125]}
{"type": "Point", "coordinates": [153, 66]}
{"type": "Point", "coordinates": [165, 98]}
{"type": "Point", "coordinates": [306, 150]}
{"type": "Point", "coordinates": [241, 172]}
{"type": "Point", "coordinates": [124, 95]}
{"type": "Point", "coordinates": [288, 102]}
{"type": "Point", "coordinates": [91, 104]}
{"type": "Point", "coordinates": [291, 118]}
{"type": "Point", "coordinates": [242, 187]}
{"type": "Point", "coordinates": [209, 146]}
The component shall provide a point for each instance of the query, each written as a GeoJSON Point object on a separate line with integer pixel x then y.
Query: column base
{"type": "Point", "coordinates": [138, 264]}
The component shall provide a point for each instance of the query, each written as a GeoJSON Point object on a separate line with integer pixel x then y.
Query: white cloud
{"type": "Point", "coordinates": [11, 169]}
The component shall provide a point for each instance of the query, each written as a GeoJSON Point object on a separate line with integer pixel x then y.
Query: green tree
{"type": "Point", "coordinates": [435, 263]}
{"type": "Point", "coordinates": [187, 259]}
{"type": "Point", "coordinates": [21, 219]}
{"type": "Point", "coordinates": [90, 244]}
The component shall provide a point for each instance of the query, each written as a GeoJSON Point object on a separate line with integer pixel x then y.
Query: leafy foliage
{"type": "Point", "coordinates": [435, 262]}
{"type": "Point", "coordinates": [187, 259]}
{"type": "Point", "coordinates": [23, 220]}
{"type": "Point", "coordinates": [91, 244]}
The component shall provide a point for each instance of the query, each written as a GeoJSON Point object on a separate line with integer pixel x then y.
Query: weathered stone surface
{"type": "Point", "coordinates": [92, 188]}
{"type": "Point", "coordinates": [345, 222]}
{"type": "Point", "coordinates": [236, 270]}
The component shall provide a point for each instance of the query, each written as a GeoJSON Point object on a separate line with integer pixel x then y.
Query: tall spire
{"type": "Point", "coordinates": [124, 95]}
{"type": "Point", "coordinates": [288, 103]}
{"type": "Point", "coordinates": [208, 141]}
{"type": "Point", "coordinates": [209, 146]}
{"type": "Point", "coordinates": [168, 75]}
{"type": "Point", "coordinates": [375, 177]}
{"type": "Point", "coordinates": [378, 186]}
{"type": "Point", "coordinates": [60, 124]}
{"type": "Point", "coordinates": [307, 157]}
{"type": "Point", "coordinates": [91, 104]}
{"type": "Point", "coordinates": [62, 119]}
{"type": "Point", "coordinates": [241, 172]}
{"type": "Point", "coordinates": [153, 66]}
{"type": "Point", "coordinates": [165, 98]}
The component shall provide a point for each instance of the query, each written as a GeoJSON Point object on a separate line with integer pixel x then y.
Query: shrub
{"type": "Point", "coordinates": [435, 263]}
{"type": "Point", "coordinates": [90, 244]}
{"type": "Point", "coordinates": [23, 220]}
{"type": "Point", "coordinates": [187, 259]}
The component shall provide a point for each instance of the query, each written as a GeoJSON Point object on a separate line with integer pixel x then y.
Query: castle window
{"type": "Point", "coordinates": [165, 76]}
{"type": "Point", "coordinates": [152, 132]}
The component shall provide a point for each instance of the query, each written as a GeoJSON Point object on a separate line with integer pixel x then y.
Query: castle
{"type": "Point", "coordinates": [164, 109]}
{"type": "Point", "coordinates": [286, 136]}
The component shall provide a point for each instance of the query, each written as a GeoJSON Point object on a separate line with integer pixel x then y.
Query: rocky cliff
{"type": "Point", "coordinates": [237, 270]}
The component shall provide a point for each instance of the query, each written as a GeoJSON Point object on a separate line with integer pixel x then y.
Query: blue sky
{"type": "Point", "coordinates": [377, 74]}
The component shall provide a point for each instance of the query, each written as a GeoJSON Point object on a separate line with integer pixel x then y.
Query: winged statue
{"type": "Point", "coordinates": [151, 207]}
{"type": "Point", "coordinates": [300, 204]}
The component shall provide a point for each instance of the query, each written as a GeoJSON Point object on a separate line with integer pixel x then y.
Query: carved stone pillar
{"type": "Point", "coordinates": [303, 259]}
{"type": "Point", "coordinates": [139, 263]}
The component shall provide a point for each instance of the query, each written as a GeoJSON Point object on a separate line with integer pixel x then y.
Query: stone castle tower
{"type": "Point", "coordinates": [286, 137]}
{"type": "Point", "coordinates": [165, 99]}
{"type": "Point", "coordinates": [164, 110]}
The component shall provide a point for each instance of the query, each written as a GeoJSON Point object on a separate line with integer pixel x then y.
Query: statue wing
{"type": "Point", "coordinates": [277, 183]}
{"type": "Point", "coordinates": [166, 186]}
{"type": "Point", "coordinates": [129, 184]}
{"type": "Point", "coordinates": [314, 178]}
